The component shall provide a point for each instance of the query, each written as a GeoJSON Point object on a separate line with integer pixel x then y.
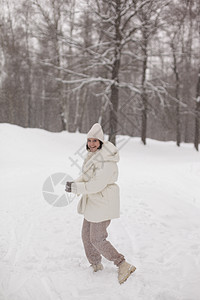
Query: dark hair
{"type": "Point", "coordinates": [100, 146]}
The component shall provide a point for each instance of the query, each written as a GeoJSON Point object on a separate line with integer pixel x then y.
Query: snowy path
{"type": "Point", "coordinates": [41, 253]}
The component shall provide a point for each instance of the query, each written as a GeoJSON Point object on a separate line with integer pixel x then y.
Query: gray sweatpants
{"type": "Point", "coordinates": [95, 244]}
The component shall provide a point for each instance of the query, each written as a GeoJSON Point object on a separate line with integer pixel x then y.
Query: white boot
{"type": "Point", "coordinates": [124, 271]}
{"type": "Point", "coordinates": [97, 267]}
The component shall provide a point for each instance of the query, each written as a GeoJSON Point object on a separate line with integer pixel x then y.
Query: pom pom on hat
{"type": "Point", "coordinates": [96, 132]}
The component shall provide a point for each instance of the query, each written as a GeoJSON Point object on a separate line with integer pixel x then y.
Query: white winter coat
{"type": "Point", "coordinates": [100, 194]}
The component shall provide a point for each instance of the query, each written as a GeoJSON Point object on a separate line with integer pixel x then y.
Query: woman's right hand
{"type": "Point", "coordinates": [68, 187]}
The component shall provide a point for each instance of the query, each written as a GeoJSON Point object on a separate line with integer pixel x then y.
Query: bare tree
{"type": "Point", "coordinates": [149, 16]}
{"type": "Point", "coordinates": [116, 25]}
{"type": "Point", "coordinates": [176, 36]}
{"type": "Point", "coordinates": [24, 13]}
{"type": "Point", "coordinates": [50, 35]}
{"type": "Point", "coordinates": [121, 27]}
{"type": "Point", "coordinates": [13, 75]}
{"type": "Point", "coordinates": [197, 114]}
{"type": "Point", "coordinates": [197, 109]}
{"type": "Point", "coordinates": [177, 90]}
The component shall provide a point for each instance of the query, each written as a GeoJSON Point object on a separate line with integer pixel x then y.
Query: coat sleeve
{"type": "Point", "coordinates": [98, 182]}
{"type": "Point", "coordinates": [79, 179]}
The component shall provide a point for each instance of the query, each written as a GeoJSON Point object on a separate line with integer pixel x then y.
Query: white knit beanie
{"type": "Point", "coordinates": [96, 132]}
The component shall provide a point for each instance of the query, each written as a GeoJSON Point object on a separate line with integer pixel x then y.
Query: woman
{"type": "Point", "coordinates": [100, 201]}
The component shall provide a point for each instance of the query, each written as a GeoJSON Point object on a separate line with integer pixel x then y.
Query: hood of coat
{"type": "Point", "coordinates": [109, 152]}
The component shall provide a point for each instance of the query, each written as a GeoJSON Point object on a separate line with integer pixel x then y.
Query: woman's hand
{"type": "Point", "coordinates": [68, 187]}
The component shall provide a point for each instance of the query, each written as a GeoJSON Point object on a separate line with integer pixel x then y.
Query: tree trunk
{"type": "Point", "coordinates": [61, 99]}
{"type": "Point", "coordinates": [177, 95]}
{"type": "Point", "coordinates": [144, 119]}
{"type": "Point", "coordinates": [113, 113]}
{"type": "Point", "coordinates": [197, 115]}
{"type": "Point", "coordinates": [29, 75]}
{"type": "Point", "coordinates": [144, 96]}
{"type": "Point", "coordinates": [114, 98]}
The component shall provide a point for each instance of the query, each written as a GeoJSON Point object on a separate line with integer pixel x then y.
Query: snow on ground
{"type": "Point", "coordinates": [41, 252]}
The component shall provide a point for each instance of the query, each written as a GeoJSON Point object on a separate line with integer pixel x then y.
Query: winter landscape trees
{"type": "Point", "coordinates": [132, 65]}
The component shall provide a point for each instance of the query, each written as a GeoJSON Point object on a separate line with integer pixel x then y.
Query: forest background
{"type": "Point", "coordinates": [132, 65]}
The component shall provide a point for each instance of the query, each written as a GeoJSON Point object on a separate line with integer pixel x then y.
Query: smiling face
{"type": "Point", "coordinates": [93, 144]}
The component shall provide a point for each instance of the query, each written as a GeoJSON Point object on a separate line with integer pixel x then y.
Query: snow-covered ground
{"type": "Point", "coordinates": [41, 252]}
